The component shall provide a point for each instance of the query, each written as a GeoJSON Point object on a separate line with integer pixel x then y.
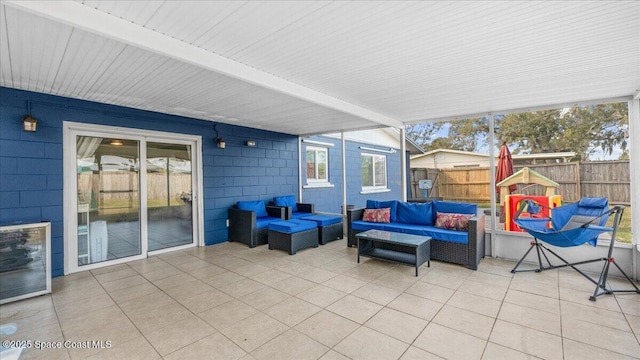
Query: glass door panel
{"type": "Point", "coordinates": [108, 199]}
{"type": "Point", "coordinates": [169, 195]}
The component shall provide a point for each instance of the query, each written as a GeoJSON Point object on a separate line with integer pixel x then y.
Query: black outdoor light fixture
{"type": "Point", "coordinates": [219, 140]}
{"type": "Point", "coordinates": [29, 123]}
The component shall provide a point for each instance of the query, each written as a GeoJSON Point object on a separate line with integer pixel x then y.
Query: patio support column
{"type": "Point", "coordinates": [403, 165]}
{"type": "Point", "coordinates": [634, 155]}
{"type": "Point", "coordinates": [302, 166]}
{"type": "Point", "coordinates": [344, 174]}
{"type": "Point", "coordinates": [492, 182]}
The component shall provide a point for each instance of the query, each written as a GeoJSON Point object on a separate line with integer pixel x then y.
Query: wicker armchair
{"type": "Point", "coordinates": [293, 209]}
{"type": "Point", "coordinates": [248, 228]}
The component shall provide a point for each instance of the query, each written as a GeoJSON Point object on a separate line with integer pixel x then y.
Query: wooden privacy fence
{"type": "Point", "coordinates": [610, 179]}
{"type": "Point", "coordinates": [122, 188]}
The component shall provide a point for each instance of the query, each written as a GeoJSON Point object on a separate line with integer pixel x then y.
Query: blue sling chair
{"type": "Point", "coordinates": [572, 225]}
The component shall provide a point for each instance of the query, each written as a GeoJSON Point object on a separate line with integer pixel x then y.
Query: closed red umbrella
{"type": "Point", "coordinates": [504, 167]}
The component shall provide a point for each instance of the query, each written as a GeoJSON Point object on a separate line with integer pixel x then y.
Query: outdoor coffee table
{"type": "Point", "coordinates": [396, 247]}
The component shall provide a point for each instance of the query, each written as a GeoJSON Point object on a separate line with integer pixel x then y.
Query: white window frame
{"type": "Point", "coordinates": [315, 181]}
{"type": "Point", "coordinates": [374, 188]}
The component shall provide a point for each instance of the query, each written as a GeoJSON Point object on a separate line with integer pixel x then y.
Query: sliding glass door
{"type": "Point", "coordinates": [108, 199]}
{"type": "Point", "coordinates": [169, 195]}
{"type": "Point", "coordinates": [132, 195]}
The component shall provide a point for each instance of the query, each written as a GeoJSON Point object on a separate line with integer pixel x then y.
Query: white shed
{"type": "Point", "coordinates": [445, 158]}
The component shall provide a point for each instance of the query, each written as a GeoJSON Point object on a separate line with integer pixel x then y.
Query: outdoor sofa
{"type": "Point", "coordinates": [456, 229]}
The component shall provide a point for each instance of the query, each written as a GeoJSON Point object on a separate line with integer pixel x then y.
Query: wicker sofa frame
{"type": "Point", "coordinates": [242, 225]}
{"type": "Point", "coordinates": [468, 254]}
{"type": "Point", "coordinates": [302, 208]}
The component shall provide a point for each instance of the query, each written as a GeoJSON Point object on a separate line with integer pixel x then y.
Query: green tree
{"type": "Point", "coordinates": [583, 129]}
{"type": "Point", "coordinates": [468, 134]}
{"type": "Point", "coordinates": [422, 133]}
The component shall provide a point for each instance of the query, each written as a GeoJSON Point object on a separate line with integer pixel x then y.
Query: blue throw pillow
{"type": "Point", "coordinates": [414, 213]}
{"type": "Point", "coordinates": [288, 200]}
{"type": "Point", "coordinates": [257, 206]}
{"type": "Point", "coordinates": [454, 207]}
{"type": "Point", "coordinates": [392, 204]}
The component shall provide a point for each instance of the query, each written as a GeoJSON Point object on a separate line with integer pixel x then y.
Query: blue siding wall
{"type": "Point", "coordinates": [329, 199]}
{"type": "Point", "coordinates": [31, 178]}
{"type": "Point", "coordinates": [354, 175]}
{"type": "Point", "coordinates": [325, 199]}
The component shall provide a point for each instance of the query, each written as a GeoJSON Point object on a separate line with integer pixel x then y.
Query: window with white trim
{"type": "Point", "coordinates": [374, 172]}
{"type": "Point", "coordinates": [317, 164]}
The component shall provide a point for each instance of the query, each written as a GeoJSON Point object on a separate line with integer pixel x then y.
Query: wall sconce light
{"type": "Point", "coordinates": [29, 123]}
{"type": "Point", "coordinates": [220, 141]}
{"type": "Point", "coordinates": [116, 142]}
{"type": "Point", "coordinates": [251, 143]}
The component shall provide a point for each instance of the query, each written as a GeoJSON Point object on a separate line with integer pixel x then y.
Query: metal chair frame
{"type": "Point", "coordinates": [601, 283]}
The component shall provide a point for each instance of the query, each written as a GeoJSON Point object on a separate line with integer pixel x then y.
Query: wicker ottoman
{"type": "Point", "coordinates": [292, 235]}
{"type": "Point", "coordinates": [329, 227]}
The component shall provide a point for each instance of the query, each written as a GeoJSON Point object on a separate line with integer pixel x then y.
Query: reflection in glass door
{"type": "Point", "coordinates": [108, 199]}
{"type": "Point", "coordinates": [169, 195]}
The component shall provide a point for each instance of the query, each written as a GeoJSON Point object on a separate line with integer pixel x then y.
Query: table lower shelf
{"type": "Point", "coordinates": [391, 255]}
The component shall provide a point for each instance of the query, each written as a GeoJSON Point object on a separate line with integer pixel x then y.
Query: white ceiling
{"type": "Point", "coordinates": [321, 66]}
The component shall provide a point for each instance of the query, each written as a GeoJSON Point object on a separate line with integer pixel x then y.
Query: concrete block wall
{"type": "Point", "coordinates": [31, 179]}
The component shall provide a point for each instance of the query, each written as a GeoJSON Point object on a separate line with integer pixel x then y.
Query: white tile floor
{"type": "Point", "coordinates": [230, 302]}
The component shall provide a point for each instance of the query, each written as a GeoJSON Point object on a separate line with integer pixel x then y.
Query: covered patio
{"type": "Point", "coordinates": [291, 70]}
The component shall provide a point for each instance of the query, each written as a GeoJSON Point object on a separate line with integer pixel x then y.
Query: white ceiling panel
{"type": "Point", "coordinates": [304, 67]}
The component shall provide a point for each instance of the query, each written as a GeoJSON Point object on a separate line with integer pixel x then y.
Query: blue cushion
{"type": "Point", "coordinates": [594, 202]}
{"type": "Point", "coordinates": [323, 220]}
{"type": "Point", "coordinates": [461, 237]}
{"type": "Point", "coordinates": [414, 213]}
{"type": "Point", "coordinates": [292, 226]}
{"type": "Point", "coordinates": [392, 204]}
{"type": "Point", "coordinates": [263, 222]}
{"type": "Point", "coordinates": [257, 206]}
{"type": "Point", "coordinates": [288, 200]}
{"type": "Point", "coordinates": [299, 215]}
{"type": "Point", "coordinates": [366, 225]}
{"type": "Point", "coordinates": [454, 207]}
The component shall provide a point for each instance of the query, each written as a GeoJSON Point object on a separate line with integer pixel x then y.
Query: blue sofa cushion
{"type": "Point", "coordinates": [292, 226]}
{"type": "Point", "coordinates": [299, 215]}
{"type": "Point", "coordinates": [366, 225]}
{"type": "Point", "coordinates": [392, 204]}
{"type": "Point", "coordinates": [414, 213]}
{"type": "Point", "coordinates": [263, 222]}
{"type": "Point", "coordinates": [323, 220]}
{"type": "Point", "coordinates": [287, 200]}
{"type": "Point", "coordinates": [257, 206]}
{"type": "Point", "coordinates": [461, 237]}
{"type": "Point", "coordinates": [454, 207]}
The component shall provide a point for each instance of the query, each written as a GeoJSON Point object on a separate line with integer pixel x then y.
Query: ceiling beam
{"type": "Point", "coordinates": [83, 17]}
